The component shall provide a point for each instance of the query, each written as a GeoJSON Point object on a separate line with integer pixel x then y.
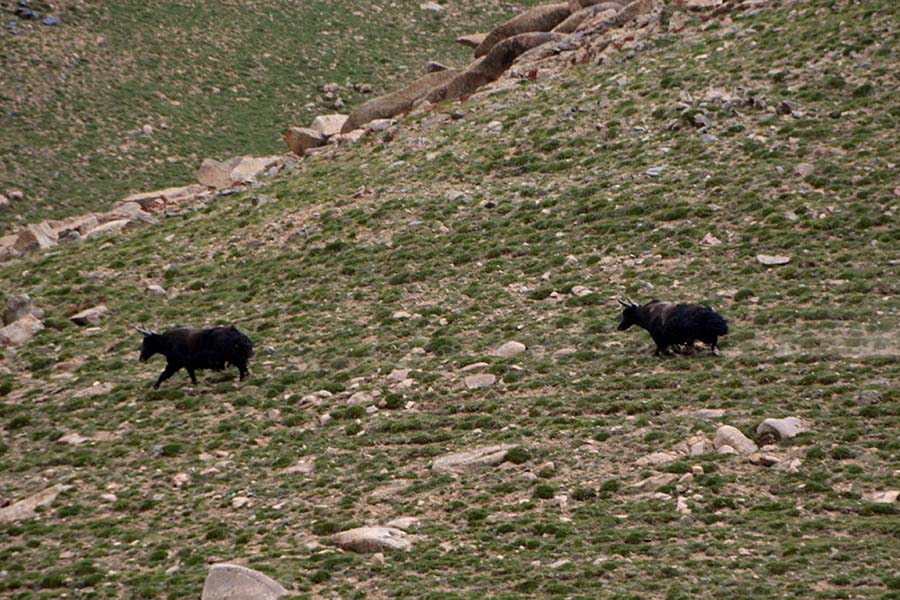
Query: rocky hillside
{"type": "Point", "coordinates": [440, 405]}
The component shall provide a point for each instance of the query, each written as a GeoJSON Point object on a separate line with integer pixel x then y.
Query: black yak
{"type": "Point", "coordinates": [675, 324]}
{"type": "Point", "coordinates": [194, 349]}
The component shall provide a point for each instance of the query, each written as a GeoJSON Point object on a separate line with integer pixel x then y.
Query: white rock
{"type": "Point", "coordinates": [478, 366]}
{"type": "Point", "coordinates": [240, 502]}
{"type": "Point", "coordinates": [772, 260]}
{"type": "Point", "coordinates": [233, 582]}
{"type": "Point", "coordinates": [379, 124]}
{"type": "Point", "coordinates": [651, 484]}
{"type": "Point", "coordinates": [399, 374]}
{"type": "Point", "coordinates": [681, 506]}
{"type": "Point", "coordinates": [431, 6]}
{"type": "Point", "coordinates": [301, 139]}
{"type": "Point", "coordinates": [249, 168]}
{"type": "Point", "coordinates": [361, 399]}
{"type": "Point", "coordinates": [328, 125]}
{"type": "Point", "coordinates": [580, 290]}
{"type": "Point", "coordinates": [726, 449]}
{"type": "Point", "coordinates": [373, 539]}
{"type": "Point", "coordinates": [155, 290]}
{"type": "Point", "coordinates": [711, 240]}
{"type": "Point", "coordinates": [90, 316]}
{"type": "Point", "coordinates": [180, 479]}
{"type": "Point", "coordinates": [510, 349]}
{"type": "Point", "coordinates": [473, 459]}
{"type": "Point", "coordinates": [36, 237]}
{"type": "Point", "coordinates": [404, 523]}
{"type": "Point", "coordinates": [480, 380]}
{"type": "Point", "coordinates": [782, 429]}
{"type": "Point", "coordinates": [886, 497]}
{"type": "Point", "coordinates": [73, 439]}
{"type": "Point", "coordinates": [731, 436]}
{"type": "Point", "coordinates": [302, 467]}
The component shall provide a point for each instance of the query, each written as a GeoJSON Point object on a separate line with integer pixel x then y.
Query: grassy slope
{"type": "Point", "coordinates": [317, 276]}
{"type": "Point", "coordinates": [214, 79]}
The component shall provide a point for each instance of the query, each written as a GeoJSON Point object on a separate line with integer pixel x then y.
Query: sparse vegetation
{"type": "Point", "coordinates": [396, 272]}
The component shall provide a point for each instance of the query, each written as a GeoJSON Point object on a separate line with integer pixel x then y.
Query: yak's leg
{"type": "Point", "coordinates": [193, 375]}
{"type": "Point", "coordinates": [167, 372]}
{"type": "Point", "coordinates": [661, 347]}
{"type": "Point", "coordinates": [712, 345]}
{"type": "Point", "coordinates": [242, 367]}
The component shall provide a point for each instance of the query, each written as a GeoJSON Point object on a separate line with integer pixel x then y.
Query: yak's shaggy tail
{"type": "Point", "coordinates": [711, 322]}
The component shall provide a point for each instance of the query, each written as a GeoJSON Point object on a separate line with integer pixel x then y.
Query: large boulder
{"type": "Point", "coordinates": [601, 23]}
{"type": "Point", "coordinates": [328, 125]}
{"type": "Point", "coordinates": [301, 139]}
{"type": "Point", "coordinates": [396, 103]}
{"type": "Point", "coordinates": [249, 168]}
{"type": "Point", "coordinates": [36, 237]}
{"type": "Point", "coordinates": [216, 174]}
{"type": "Point", "coordinates": [373, 539]}
{"type": "Point", "coordinates": [539, 18]}
{"type": "Point", "coordinates": [20, 331]}
{"type": "Point", "coordinates": [90, 316]}
{"type": "Point", "coordinates": [16, 307]}
{"type": "Point", "coordinates": [234, 582]}
{"type": "Point", "coordinates": [730, 436]}
{"type": "Point", "coordinates": [490, 67]}
{"type": "Point", "coordinates": [607, 9]}
{"type": "Point", "coordinates": [25, 509]}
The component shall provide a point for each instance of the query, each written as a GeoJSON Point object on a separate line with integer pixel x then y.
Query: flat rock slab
{"type": "Point", "coordinates": [373, 539]}
{"type": "Point", "coordinates": [782, 429]}
{"type": "Point", "coordinates": [480, 380]}
{"type": "Point", "coordinates": [772, 260]}
{"type": "Point", "coordinates": [328, 125]}
{"type": "Point", "coordinates": [657, 459]}
{"type": "Point", "coordinates": [488, 456]}
{"type": "Point", "coordinates": [24, 509]}
{"type": "Point", "coordinates": [234, 582]}
{"type": "Point", "coordinates": [510, 349]}
{"type": "Point", "coordinates": [90, 316]}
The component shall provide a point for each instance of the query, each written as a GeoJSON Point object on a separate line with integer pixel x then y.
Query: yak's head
{"type": "Point", "coordinates": [150, 346]}
{"type": "Point", "coordinates": [629, 314]}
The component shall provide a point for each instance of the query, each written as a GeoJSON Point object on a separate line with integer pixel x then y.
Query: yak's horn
{"type": "Point", "coordinates": [144, 331]}
{"type": "Point", "coordinates": [622, 302]}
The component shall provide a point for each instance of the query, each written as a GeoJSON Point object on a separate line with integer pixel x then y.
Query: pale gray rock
{"type": "Point", "coordinates": [651, 484]}
{"type": "Point", "coordinates": [886, 497]}
{"type": "Point", "coordinates": [24, 509]}
{"type": "Point", "coordinates": [20, 331]}
{"type": "Point", "coordinates": [403, 523]}
{"type": "Point", "coordinates": [72, 439]}
{"type": "Point", "coordinates": [373, 539]}
{"type": "Point", "coordinates": [114, 226]}
{"type": "Point", "coordinates": [155, 290]}
{"type": "Point", "coordinates": [781, 429]}
{"type": "Point", "coordinates": [487, 456]}
{"type": "Point", "coordinates": [766, 460]}
{"type": "Point", "coordinates": [731, 436]}
{"type": "Point", "coordinates": [657, 459]}
{"type": "Point", "coordinates": [361, 399]}
{"type": "Point", "coordinates": [510, 349]}
{"type": "Point", "coordinates": [90, 316]}
{"type": "Point", "coordinates": [234, 582]}
{"type": "Point", "coordinates": [250, 168]}
{"type": "Point", "coordinates": [328, 125]}
{"type": "Point", "coordinates": [302, 467]}
{"type": "Point", "coordinates": [771, 260]}
{"type": "Point", "coordinates": [480, 380]}
{"type": "Point", "coordinates": [477, 366]}
{"type": "Point", "coordinates": [216, 174]}
{"type": "Point", "coordinates": [36, 237]}
{"type": "Point", "coordinates": [803, 170]}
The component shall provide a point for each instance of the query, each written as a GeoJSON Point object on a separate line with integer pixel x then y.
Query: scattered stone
{"type": "Point", "coordinates": [651, 484]}
{"type": "Point", "coordinates": [114, 226]}
{"type": "Point", "coordinates": [711, 240]}
{"type": "Point", "coordinates": [681, 506]}
{"type": "Point", "coordinates": [803, 170]}
{"type": "Point", "coordinates": [233, 582]}
{"type": "Point", "coordinates": [559, 564]}
{"type": "Point", "coordinates": [702, 4]}
{"type": "Point", "coordinates": [537, 19]}
{"type": "Point", "coordinates": [73, 439]}
{"type": "Point", "coordinates": [779, 430]}
{"type": "Point", "coordinates": [155, 290]}
{"type": "Point", "coordinates": [24, 509]}
{"type": "Point", "coordinates": [20, 331]}
{"type": "Point", "coordinates": [404, 523]}
{"type": "Point", "coordinates": [216, 174]}
{"type": "Point", "coordinates": [15, 195]}
{"type": "Point", "coordinates": [301, 139]}
{"type": "Point", "coordinates": [361, 399]}
{"type": "Point", "coordinates": [789, 466]}
{"type": "Point", "coordinates": [431, 6]}
{"type": "Point", "coordinates": [657, 459]}
{"type": "Point", "coordinates": [726, 449]}
{"type": "Point", "coordinates": [373, 539]}
{"type": "Point", "coordinates": [731, 436]}
{"type": "Point", "coordinates": [697, 470]}
{"type": "Point", "coordinates": [390, 490]}
{"type": "Point", "coordinates": [480, 380]}
{"type": "Point", "coordinates": [887, 497]}
{"type": "Point", "coordinates": [250, 167]}
{"type": "Point", "coordinates": [487, 456]}
{"type": "Point", "coordinates": [90, 316]}
{"type": "Point", "coordinates": [564, 352]}
{"type": "Point", "coordinates": [239, 502]}
{"type": "Point", "coordinates": [766, 460]}
{"type": "Point", "coordinates": [476, 366]}
{"type": "Point", "coordinates": [869, 397]}
{"type": "Point", "coordinates": [772, 260]}
{"type": "Point", "coordinates": [379, 125]}
{"type": "Point", "coordinates": [510, 349]}
{"type": "Point", "coordinates": [399, 374]}
{"type": "Point", "coordinates": [580, 291]}
{"type": "Point", "coordinates": [655, 171]}
{"type": "Point", "coordinates": [328, 125]}
{"type": "Point", "coordinates": [302, 467]}
{"type": "Point", "coordinates": [180, 479]}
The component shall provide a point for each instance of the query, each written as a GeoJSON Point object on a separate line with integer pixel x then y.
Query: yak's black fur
{"type": "Point", "coordinates": [675, 324]}
{"type": "Point", "coordinates": [193, 349]}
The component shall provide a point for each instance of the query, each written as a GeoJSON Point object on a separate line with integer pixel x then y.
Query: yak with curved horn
{"type": "Point", "coordinates": [672, 324]}
{"type": "Point", "coordinates": [193, 349]}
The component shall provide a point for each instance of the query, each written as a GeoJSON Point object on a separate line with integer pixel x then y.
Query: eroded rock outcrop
{"type": "Point", "coordinates": [539, 18]}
